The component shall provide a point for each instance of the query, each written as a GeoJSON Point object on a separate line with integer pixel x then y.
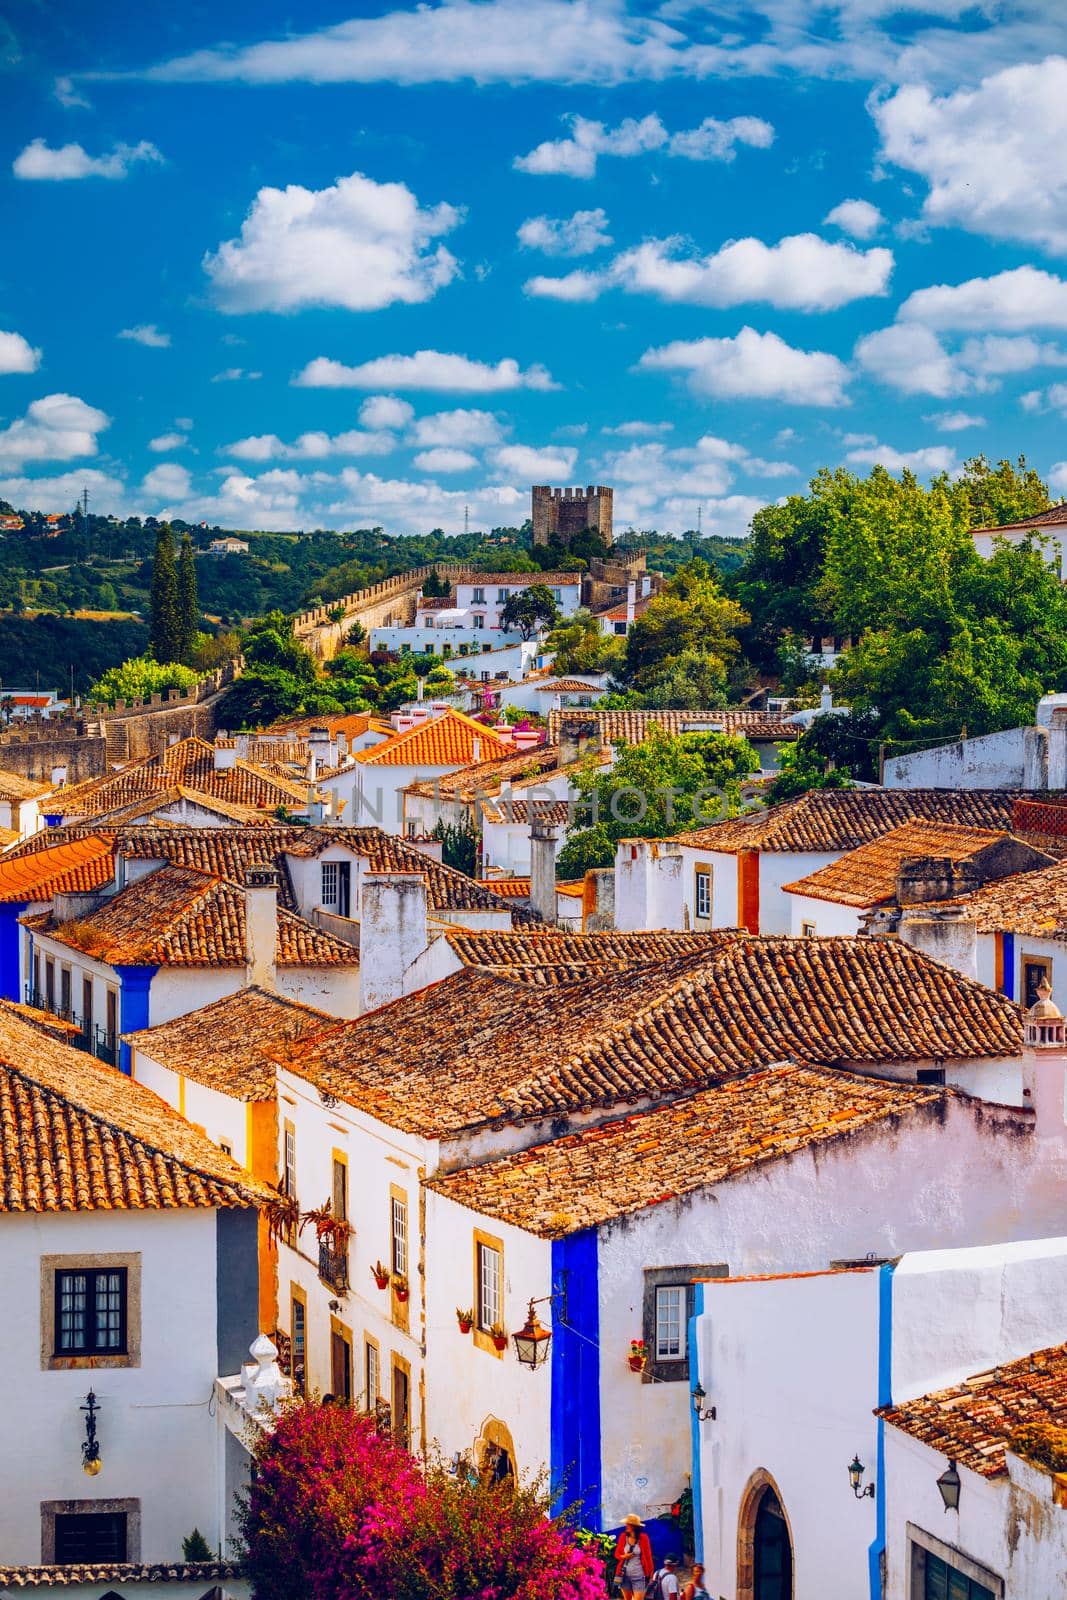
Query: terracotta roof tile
{"type": "Point", "coordinates": [867, 876]}
{"type": "Point", "coordinates": [587, 1178]}
{"type": "Point", "coordinates": [521, 811]}
{"type": "Point", "coordinates": [844, 819]}
{"type": "Point", "coordinates": [568, 686]}
{"type": "Point", "coordinates": [519, 580]}
{"type": "Point", "coordinates": [972, 1421]}
{"type": "Point", "coordinates": [353, 725]}
{"type": "Point", "coordinates": [190, 763]}
{"type": "Point", "coordinates": [1030, 903]}
{"type": "Point", "coordinates": [13, 786]}
{"type": "Point", "coordinates": [233, 1045]}
{"type": "Point", "coordinates": [121, 1572]}
{"type": "Point", "coordinates": [77, 867]}
{"type": "Point", "coordinates": [1054, 517]}
{"type": "Point", "coordinates": [77, 1135]}
{"type": "Point", "coordinates": [633, 726]}
{"type": "Point", "coordinates": [442, 741]}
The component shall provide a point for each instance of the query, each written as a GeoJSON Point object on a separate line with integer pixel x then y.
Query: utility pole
{"type": "Point", "coordinates": [466, 520]}
{"type": "Point", "coordinates": [700, 519]}
{"type": "Point", "coordinates": [84, 503]}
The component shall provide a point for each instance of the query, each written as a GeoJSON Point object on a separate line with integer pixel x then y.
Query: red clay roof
{"type": "Point", "coordinates": [867, 876]}
{"type": "Point", "coordinates": [843, 819]}
{"type": "Point", "coordinates": [190, 763]}
{"type": "Point", "coordinates": [77, 867]}
{"type": "Point", "coordinates": [446, 740]}
{"type": "Point", "coordinates": [1054, 517]}
{"type": "Point", "coordinates": [633, 726]}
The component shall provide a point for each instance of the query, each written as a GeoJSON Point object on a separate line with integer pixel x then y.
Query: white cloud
{"type": "Point", "coordinates": [457, 429]}
{"type": "Point", "coordinates": [147, 333]}
{"type": "Point", "coordinates": [310, 446]}
{"type": "Point", "coordinates": [59, 492]}
{"type": "Point", "coordinates": [576, 235]}
{"type": "Point", "coordinates": [58, 427]}
{"type": "Point", "coordinates": [168, 481]}
{"type": "Point", "coordinates": [1023, 297]}
{"type": "Point", "coordinates": [383, 411]}
{"type": "Point", "coordinates": [426, 369]}
{"type": "Point", "coordinates": [995, 354]}
{"type": "Point", "coordinates": [912, 359]}
{"type": "Point", "coordinates": [753, 366]}
{"type": "Point", "coordinates": [639, 430]}
{"type": "Point", "coordinates": [857, 217]}
{"type": "Point", "coordinates": [801, 272]}
{"type": "Point", "coordinates": [445, 460]}
{"type": "Point", "coordinates": [1057, 478]}
{"type": "Point", "coordinates": [357, 244]}
{"type": "Point", "coordinates": [576, 287]}
{"type": "Point", "coordinates": [68, 96]}
{"type": "Point", "coordinates": [41, 161]}
{"type": "Point", "coordinates": [934, 458]}
{"type": "Point", "coordinates": [991, 155]}
{"type": "Point", "coordinates": [17, 354]}
{"type": "Point", "coordinates": [551, 465]}
{"type": "Point", "coordinates": [235, 375]}
{"type": "Point", "coordinates": [576, 156]}
{"type": "Point", "coordinates": [167, 441]}
{"type": "Point", "coordinates": [955, 421]}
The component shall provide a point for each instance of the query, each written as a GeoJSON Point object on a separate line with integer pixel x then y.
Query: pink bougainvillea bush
{"type": "Point", "coordinates": [337, 1512]}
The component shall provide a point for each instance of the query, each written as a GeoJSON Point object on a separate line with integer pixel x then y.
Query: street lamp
{"type": "Point", "coordinates": [699, 1395]}
{"type": "Point", "coordinates": [533, 1339]}
{"type": "Point", "coordinates": [856, 1469]}
{"type": "Point", "coordinates": [91, 1462]}
{"type": "Point", "coordinates": [949, 1485]}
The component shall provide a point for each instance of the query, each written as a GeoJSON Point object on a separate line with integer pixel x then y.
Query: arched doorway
{"type": "Point", "coordinates": [764, 1543]}
{"type": "Point", "coordinates": [494, 1452]}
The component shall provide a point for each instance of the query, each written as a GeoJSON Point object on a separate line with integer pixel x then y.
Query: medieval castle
{"type": "Point", "coordinates": [561, 513]}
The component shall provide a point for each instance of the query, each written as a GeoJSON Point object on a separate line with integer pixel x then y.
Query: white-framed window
{"type": "Point", "coordinates": [670, 1322]}
{"type": "Point", "coordinates": [807, 930]}
{"type": "Point", "coordinates": [329, 883]}
{"type": "Point", "coordinates": [400, 1236]}
{"type": "Point", "coordinates": [371, 1376]}
{"type": "Point", "coordinates": [478, 597]}
{"type": "Point", "coordinates": [290, 1159]}
{"type": "Point", "coordinates": [557, 595]}
{"type": "Point", "coordinates": [502, 597]}
{"type": "Point", "coordinates": [478, 621]}
{"type": "Point", "coordinates": [702, 893]}
{"type": "Point", "coordinates": [490, 1273]}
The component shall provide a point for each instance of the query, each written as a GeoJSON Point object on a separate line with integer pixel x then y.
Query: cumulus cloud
{"type": "Point", "coordinates": [17, 354]}
{"type": "Point", "coordinates": [575, 287]}
{"type": "Point", "coordinates": [167, 441]}
{"type": "Point", "coordinates": [753, 366]}
{"type": "Point", "coordinates": [426, 369]}
{"type": "Point", "coordinates": [148, 334]}
{"type": "Point", "coordinates": [638, 430]}
{"type": "Point", "coordinates": [912, 359]}
{"type": "Point", "coordinates": [992, 156]}
{"type": "Point", "coordinates": [310, 446]}
{"type": "Point", "coordinates": [857, 217]}
{"type": "Point", "coordinates": [459, 429]}
{"type": "Point", "coordinates": [42, 161]}
{"type": "Point", "coordinates": [59, 492]}
{"type": "Point", "coordinates": [521, 461]}
{"type": "Point", "coordinates": [445, 460]}
{"type": "Point", "coordinates": [934, 458]}
{"type": "Point", "coordinates": [58, 427]}
{"type": "Point", "coordinates": [955, 421]}
{"type": "Point", "coordinates": [235, 375]}
{"type": "Point", "coordinates": [168, 481]}
{"type": "Point", "coordinates": [1057, 478]}
{"type": "Point", "coordinates": [357, 244]}
{"type": "Point", "coordinates": [576, 235]}
{"type": "Point", "coordinates": [1023, 297]}
{"type": "Point", "coordinates": [651, 473]}
{"type": "Point", "coordinates": [384, 411]}
{"type": "Point", "coordinates": [577, 155]}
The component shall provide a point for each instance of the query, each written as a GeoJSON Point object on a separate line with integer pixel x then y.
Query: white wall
{"type": "Point", "coordinates": [777, 868]}
{"type": "Point", "coordinates": [828, 916]}
{"type": "Point", "coordinates": [157, 1439]}
{"type": "Point", "coordinates": [221, 1117]}
{"type": "Point", "coordinates": [1051, 542]}
{"type": "Point", "coordinates": [723, 886]}
{"type": "Point", "coordinates": [1008, 760]}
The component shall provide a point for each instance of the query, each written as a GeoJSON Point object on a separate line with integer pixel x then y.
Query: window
{"type": "Point", "coordinates": [226, 1146]}
{"type": "Point", "coordinates": [501, 597]}
{"type": "Point", "coordinates": [298, 1325]}
{"type": "Point", "coordinates": [401, 1403]}
{"type": "Point", "coordinates": [478, 597]}
{"type": "Point", "coordinates": [1034, 969]}
{"type": "Point", "coordinates": [90, 1311]}
{"type": "Point", "coordinates": [329, 883]}
{"type": "Point", "coordinates": [90, 1537]}
{"type": "Point", "coordinates": [619, 627]}
{"type": "Point", "coordinates": [930, 1075]}
{"type": "Point", "coordinates": [371, 1375]}
{"type": "Point", "coordinates": [339, 1194]}
{"type": "Point", "coordinates": [478, 621]}
{"type": "Point", "coordinates": [941, 1572]}
{"type": "Point", "coordinates": [50, 984]}
{"type": "Point", "coordinates": [340, 1362]}
{"type": "Point", "coordinates": [112, 1013]}
{"type": "Point", "coordinates": [290, 1159]}
{"type": "Point", "coordinates": [490, 1274]}
{"type": "Point", "coordinates": [87, 1005]}
{"type": "Point", "coordinates": [670, 1317]}
{"type": "Point", "coordinates": [64, 991]}
{"type": "Point", "coordinates": [557, 595]}
{"type": "Point", "coordinates": [399, 1208]}
{"type": "Point", "coordinates": [942, 1582]}
{"type": "Point", "coordinates": [702, 896]}
{"type": "Point", "coordinates": [807, 930]}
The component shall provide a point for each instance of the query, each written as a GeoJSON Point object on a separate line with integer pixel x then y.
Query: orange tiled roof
{"type": "Point", "coordinates": [522, 811]}
{"type": "Point", "coordinates": [508, 888]}
{"type": "Point", "coordinates": [190, 763]}
{"type": "Point", "coordinates": [13, 786]}
{"type": "Point", "coordinates": [973, 1421]}
{"type": "Point", "coordinates": [353, 725]}
{"type": "Point", "coordinates": [77, 867]}
{"type": "Point", "coordinates": [233, 1045]}
{"type": "Point", "coordinates": [1030, 903]}
{"type": "Point", "coordinates": [1054, 517]}
{"type": "Point", "coordinates": [633, 726]}
{"type": "Point", "coordinates": [569, 686]}
{"type": "Point", "coordinates": [518, 580]}
{"type": "Point", "coordinates": [867, 876]}
{"type": "Point", "coordinates": [149, 805]}
{"type": "Point", "coordinates": [77, 1135]}
{"type": "Point", "coordinates": [587, 1178]}
{"type": "Point", "coordinates": [844, 819]}
{"type": "Point", "coordinates": [178, 917]}
{"type": "Point", "coordinates": [442, 741]}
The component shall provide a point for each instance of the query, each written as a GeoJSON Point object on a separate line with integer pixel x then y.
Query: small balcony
{"type": "Point", "coordinates": [333, 1266]}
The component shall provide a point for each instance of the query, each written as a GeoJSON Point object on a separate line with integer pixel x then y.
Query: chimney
{"type": "Point", "coordinates": [261, 926]}
{"type": "Point", "coordinates": [225, 756]}
{"type": "Point", "coordinates": [826, 699]}
{"type": "Point", "coordinates": [172, 740]}
{"type": "Point", "coordinates": [476, 749]}
{"type": "Point", "coordinates": [631, 602]}
{"type": "Point", "coordinates": [419, 689]}
{"type": "Point", "coordinates": [598, 900]}
{"type": "Point", "coordinates": [544, 847]}
{"type": "Point", "coordinates": [71, 907]}
{"type": "Point", "coordinates": [504, 798]}
{"type": "Point", "coordinates": [241, 746]}
{"type": "Point", "coordinates": [648, 886]}
{"type": "Point", "coordinates": [392, 933]}
{"type": "Point", "coordinates": [1057, 749]}
{"type": "Point", "coordinates": [58, 776]}
{"type": "Point", "coordinates": [944, 933]}
{"type": "Point", "coordinates": [1043, 1064]}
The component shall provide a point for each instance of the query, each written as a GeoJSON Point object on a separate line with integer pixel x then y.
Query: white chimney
{"type": "Point", "coordinates": [59, 776]}
{"type": "Point", "coordinates": [225, 757]}
{"type": "Point", "coordinates": [392, 932]}
{"type": "Point", "coordinates": [261, 926]}
{"type": "Point", "coordinates": [241, 746]}
{"type": "Point", "coordinates": [419, 690]}
{"type": "Point", "coordinates": [172, 740]}
{"type": "Point", "coordinates": [476, 748]}
{"type": "Point", "coordinates": [826, 699]}
{"type": "Point", "coordinates": [321, 746]}
{"type": "Point", "coordinates": [631, 603]}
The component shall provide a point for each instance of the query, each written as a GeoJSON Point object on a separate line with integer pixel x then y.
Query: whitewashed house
{"type": "Point", "coordinates": [481, 597]}
{"type": "Point", "coordinates": [22, 804]}
{"type": "Point", "coordinates": [131, 1280]}
{"type": "Point", "coordinates": [426, 746]}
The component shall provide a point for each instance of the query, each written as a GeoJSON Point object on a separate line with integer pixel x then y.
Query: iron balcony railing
{"type": "Point", "coordinates": [333, 1266]}
{"type": "Point", "coordinates": [94, 1039]}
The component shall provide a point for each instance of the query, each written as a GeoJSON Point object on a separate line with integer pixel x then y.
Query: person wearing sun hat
{"type": "Point", "coordinates": [633, 1558]}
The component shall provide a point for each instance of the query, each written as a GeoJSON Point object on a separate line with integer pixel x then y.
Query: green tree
{"type": "Point", "coordinates": [139, 678]}
{"type": "Point", "coordinates": [529, 610]}
{"type": "Point", "coordinates": [188, 604]}
{"type": "Point", "coordinates": [459, 846]}
{"type": "Point", "coordinates": [995, 496]}
{"type": "Point", "coordinates": [196, 1548]}
{"type": "Point", "coordinates": [165, 615]}
{"type": "Point", "coordinates": [580, 646]}
{"type": "Point", "coordinates": [690, 617]}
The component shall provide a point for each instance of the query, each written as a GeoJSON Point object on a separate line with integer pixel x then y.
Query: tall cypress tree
{"type": "Point", "coordinates": [166, 628]}
{"type": "Point", "coordinates": [188, 603]}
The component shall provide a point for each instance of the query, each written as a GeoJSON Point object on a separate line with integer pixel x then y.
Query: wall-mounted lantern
{"type": "Point", "coordinates": [949, 1485]}
{"type": "Point", "coordinates": [702, 1413]}
{"type": "Point", "coordinates": [856, 1469]}
{"type": "Point", "coordinates": [533, 1339]}
{"type": "Point", "coordinates": [91, 1462]}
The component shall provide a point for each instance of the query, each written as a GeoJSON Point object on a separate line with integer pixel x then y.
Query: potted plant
{"type": "Point", "coordinates": [465, 1320]}
{"type": "Point", "coordinates": [637, 1357]}
{"type": "Point", "coordinates": [400, 1286]}
{"type": "Point", "coordinates": [499, 1335]}
{"type": "Point", "coordinates": [282, 1212]}
{"type": "Point", "coordinates": [380, 1275]}
{"type": "Point", "coordinates": [329, 1229]}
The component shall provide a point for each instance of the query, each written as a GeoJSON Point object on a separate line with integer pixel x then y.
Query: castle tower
{"type": "Point", "coordinates": [562, 513]}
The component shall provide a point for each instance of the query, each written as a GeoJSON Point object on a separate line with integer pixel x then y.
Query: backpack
{"type": "Point", "coordinates": [655, 1585]}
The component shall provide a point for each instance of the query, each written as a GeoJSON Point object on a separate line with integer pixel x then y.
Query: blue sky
{"type": "Point", "coordinates": [371, 266]}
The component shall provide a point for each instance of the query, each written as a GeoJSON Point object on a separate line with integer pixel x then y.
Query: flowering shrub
{"type": "Point", "coordinates": [337, 1512]}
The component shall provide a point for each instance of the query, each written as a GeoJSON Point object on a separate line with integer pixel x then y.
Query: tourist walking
{"type": "Point", "coordinates": [633, 1559]}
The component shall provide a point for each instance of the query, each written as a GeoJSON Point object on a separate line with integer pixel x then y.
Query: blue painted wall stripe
{"type": "Point", "coordinates": [1009, 965]}
{"type": "Point", "coordinates": [134, 986]}
{"type": "Point", "coordinates": [10, 975]}
{"type": "Point", "coordinates": [876, 1549]}
{"type": "Point", "coordinates": [574, 1456]}
{"type": "Point", "coordinates": [695, 1425]}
